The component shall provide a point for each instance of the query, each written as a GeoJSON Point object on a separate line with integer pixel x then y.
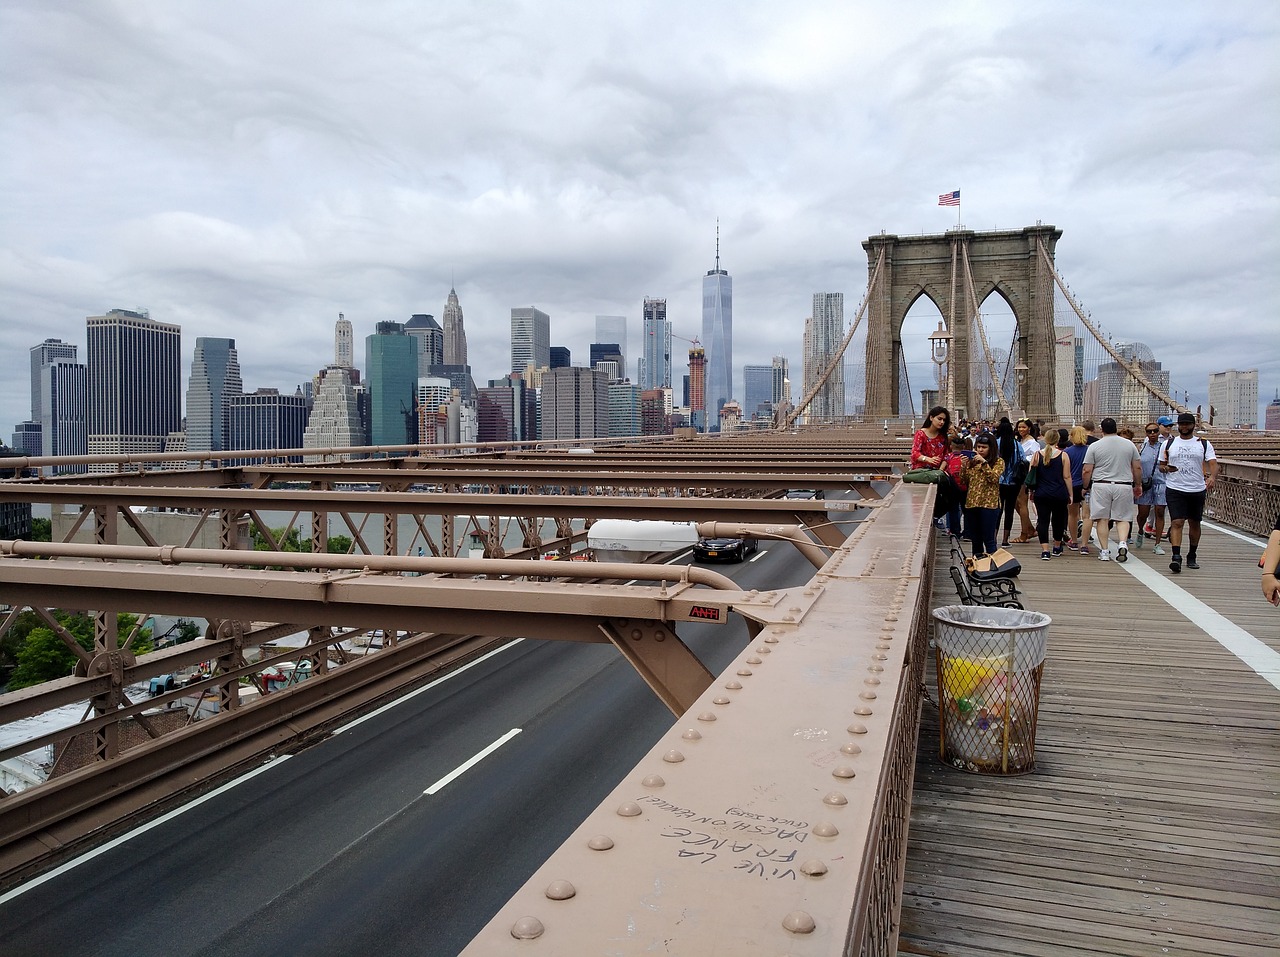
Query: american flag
{"type": "Point", "coordinates": [949, 199]}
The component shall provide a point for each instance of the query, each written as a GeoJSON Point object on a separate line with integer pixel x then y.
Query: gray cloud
{"type": "Point", "coordinates": [251, 170]}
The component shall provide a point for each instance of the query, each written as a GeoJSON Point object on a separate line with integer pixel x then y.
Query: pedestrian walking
{"type": "Point", "coordinates": [982, 474]}
{"type": "Point", "coordinates": [1052, 494]}
{"type": "Point", "coordinates": [1078, 510]}
{"type": "Point", "coordinates": [1151, 504]}
{"type": "Point", "coordinates": [1190, 467]}
{"type": "Point", "coordinates": [1271, 566]}
{"type": "Point", "coordinates": [1113, 475]}
{"type": "Point", "coordinates": [1009, 449]}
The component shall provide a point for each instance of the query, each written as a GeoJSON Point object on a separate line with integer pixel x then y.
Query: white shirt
{"type": "Point", "coordinates": [1190, 458]}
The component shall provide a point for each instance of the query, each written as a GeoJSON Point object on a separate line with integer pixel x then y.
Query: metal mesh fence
{"type": "Point", "coordinates": [989, 663]}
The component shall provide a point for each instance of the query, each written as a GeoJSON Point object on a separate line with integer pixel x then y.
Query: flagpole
{"type": "Point", "coordinates": [957, 211]}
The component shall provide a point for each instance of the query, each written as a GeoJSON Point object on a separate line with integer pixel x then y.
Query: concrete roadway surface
{"type": "Point", "coordinates": [338, 850]}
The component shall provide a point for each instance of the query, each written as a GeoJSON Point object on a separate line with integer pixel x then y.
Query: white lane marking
{"type": "Point", "coordinates": [427, 687]}
{"type": "Point", "coordinates": [1243, 536]}
{"type": "Point", "coordinates": [1255, 654]}
{"type": "Point", "coordinates": [462, 769]}
{"type": "Point", "coordinates": [123, 838]}
{"type": "Point", "coordinates": [760, 554]}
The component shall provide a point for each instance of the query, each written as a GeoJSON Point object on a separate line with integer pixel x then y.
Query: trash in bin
{"type": "Point", "coordinates": [989, 663]}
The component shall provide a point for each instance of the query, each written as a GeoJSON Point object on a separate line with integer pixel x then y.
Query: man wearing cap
{"type": "Point", "coordinates": [1152, 501]}
{"type": "Point", "coordinates": [1113, 472]}
{"type": "Point", "coordinates": [1191, 469]}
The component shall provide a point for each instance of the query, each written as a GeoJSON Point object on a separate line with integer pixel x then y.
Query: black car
{"type": "Point", "coordinates": [725, 549]}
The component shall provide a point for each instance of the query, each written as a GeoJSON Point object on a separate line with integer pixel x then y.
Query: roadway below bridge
{"type": "Point", "coordinates": [339, 849]}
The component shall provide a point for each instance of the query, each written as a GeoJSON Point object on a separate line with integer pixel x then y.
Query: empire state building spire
{"type": "Point", "coordinates": [455, 337]}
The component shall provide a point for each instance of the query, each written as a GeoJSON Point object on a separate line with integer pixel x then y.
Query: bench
{"type": "Point", "coordinates": [998, 592]}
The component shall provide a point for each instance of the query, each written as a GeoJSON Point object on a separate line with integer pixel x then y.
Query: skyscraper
{"type": "Point", "coordinates": [134, 382]}
{"type": "Point", "coordinates": [48, 351]}
{"type": "Point", "coordinates": [781, 397]}
{"type": "Point", "coordinates": [1233, 396]}
{"type": "Point", "coordinates": [215, 378]}
{"type": "Point", "coordinates": [265, 419]}
{"type": "Point", "coordinates": [64, 413]}
{"type": "Point", "coordinates": [344, 348]}
{"type": "Point", "coordinates": [455, 337]}
{"type": "Point", "coordinates": [430, 338]}
{"type": "Point", "coordinates": [698, 387]}
{"type": "Point", "coordinates": [391, 364]}
{"type": "Point", "coordinates": [614, 329]}
{"type": "Point", "coordinates": [335, 414]}
{"type": "Point", "coordinates": [824, 333]}
{"type": "Point", "coordinates": [717, 337]}
{"type": "Point", "coordinates": [656, 367]}
{"type": "Point", "coordinates": [757, 388]}
{"type": "Point", "coordinates": [530, 339]}
{"type": "Point", "coordinates": [575, 404]}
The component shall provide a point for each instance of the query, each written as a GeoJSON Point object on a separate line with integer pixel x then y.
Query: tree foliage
{"type": "Point", "coordinates": [44, 656]}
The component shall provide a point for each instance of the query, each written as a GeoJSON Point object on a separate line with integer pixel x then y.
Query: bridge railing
{"type": "Point", "coordinates": [772, 817]}
{"type": "Point", "coordinates": [1246, 495]}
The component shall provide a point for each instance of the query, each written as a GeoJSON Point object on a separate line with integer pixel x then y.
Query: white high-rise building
{"type": "Point", "coordinates": [344, 343]}
{"type": "Point", "coordinates": [1233, 396]}
{"type": "Point", "coordinates": [530, 339]}
{"type": "Point", "coordinates": [335, 415]}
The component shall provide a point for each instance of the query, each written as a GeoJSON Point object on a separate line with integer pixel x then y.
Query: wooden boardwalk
{"type": "Point", "coordinates": [1151, 824]}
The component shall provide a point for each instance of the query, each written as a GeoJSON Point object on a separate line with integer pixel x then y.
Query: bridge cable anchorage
{"type": "Point", "coordinates": [839, 355]}
{"type": "Point", "coordinates": [1133, 368]}
{"type": "Point", "coordinates": [1002, 403]}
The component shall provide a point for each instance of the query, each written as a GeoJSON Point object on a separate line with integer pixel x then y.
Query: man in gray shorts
{"type": "Point", "coordinates": [1113, 476]}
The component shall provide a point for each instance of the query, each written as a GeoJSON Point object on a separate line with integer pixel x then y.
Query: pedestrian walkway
{"type": "Point", "coordinates": [1151, 824]}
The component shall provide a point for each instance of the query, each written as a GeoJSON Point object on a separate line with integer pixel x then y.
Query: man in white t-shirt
{"type": "Point", "coordinates": [1191, 469]}
{"type": "Point", "coordinates": [1113, 470]}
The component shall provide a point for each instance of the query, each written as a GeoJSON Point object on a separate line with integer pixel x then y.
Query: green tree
{"type": "Point", "coordinates": [41, 530]}
{"type": "Point", "coordinates": [339, 544]}
{"type": "Point", "coordinates": [43, 656]}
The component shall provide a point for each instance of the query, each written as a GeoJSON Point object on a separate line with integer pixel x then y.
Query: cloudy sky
{"type": "Point", "coordinates": [252, 169]}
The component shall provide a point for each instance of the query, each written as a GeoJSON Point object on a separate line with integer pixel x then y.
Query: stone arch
{"type": "Point", "coordinates": [1005, 261]}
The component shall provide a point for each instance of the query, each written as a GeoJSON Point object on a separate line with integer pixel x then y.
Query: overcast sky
{"type": "Point", "coordinates": [250, 169]}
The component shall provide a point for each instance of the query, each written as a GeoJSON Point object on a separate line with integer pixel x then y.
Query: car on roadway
{"type": "Point", "coordinates": [804, 494]}
{"type": "Point", "coordinates": [725, 549]}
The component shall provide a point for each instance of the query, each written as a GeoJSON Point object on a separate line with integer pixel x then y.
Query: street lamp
{"type": "Point", "coordinates": [940, 346]}
{"type": "Point", "coordinates": [1020, 370]}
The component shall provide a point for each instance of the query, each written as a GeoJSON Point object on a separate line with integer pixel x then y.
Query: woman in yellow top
{"type": "Point", "coordinates": [982, 501]}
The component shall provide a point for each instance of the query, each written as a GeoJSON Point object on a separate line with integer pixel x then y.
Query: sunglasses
{"type": "Point", "coordinates": [1153, 431]}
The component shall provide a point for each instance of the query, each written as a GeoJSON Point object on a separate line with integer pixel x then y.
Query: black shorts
{"type": "Point", "coordinates": [1189, 505]}
{"type": "Point", "coordinates": [1077, 494]}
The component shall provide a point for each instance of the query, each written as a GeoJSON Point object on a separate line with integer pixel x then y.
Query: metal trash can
{"type": "Point", "coordinates": [989, 662]}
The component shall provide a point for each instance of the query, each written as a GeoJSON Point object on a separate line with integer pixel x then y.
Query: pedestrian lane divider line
{"type": "Point", "coordinates": [472, 762]}
{"type": "Point", "coordinates": [1255, 654]}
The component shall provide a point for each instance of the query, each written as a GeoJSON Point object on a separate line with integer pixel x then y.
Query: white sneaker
{"type": "Point", "coordinates": [1123, 554]}
{"type": "Point", "coordinates": [1104, 555]}
{"type": "Point", "coordinates": [1159, 550]}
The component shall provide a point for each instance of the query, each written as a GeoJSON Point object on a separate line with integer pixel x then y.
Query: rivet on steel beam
{"type": "Point", "coordinates": [856, 728]}
{"type": "Point", "coordinates": [851, 748]}
{"type": "Point", "coordinates": [745, 672]}
{"type": "Point", "coordinates": [798, 922]}
{"type": "Point", "coordinates": [864, 711]}
{"type": "Point", "coordinates": [795, 609]}
{"type": "Point", "coordinates": [527, 928]}
{"type": "Point", "coordinates": [888, 628]}
{"type": "Point", "coordinates": [720, 700]}
{"type": "Point", "coordinates": [601, 842]}
{"type": "Point", "coordinates": [630, 809]}
{"type": "Point", "coordinates": [868, 695]}
{"type": "Point", "coordinates": [673, 757]}
{"type": "Point", "coordinates": [560, 890]}
{"type": "Point", "coordinates": [636, 634]}
{"type": "Point", "coordinates": [844, 772]}
{"type": "Point", "coordinates": [835, 799]}
{"type": "Point", "coordinates": [771, 639]}
{"type": "Point", "coordinates": [880, 657]}
{"type": "Point", "coordinates": [826, 829]}
{"type": "Point", "coordinates": [890, 617]}
{"type": "Point", "coordinates": [653, 781]}
{"type": "Point", "coordinates": [814, 868]}
{"type": "Point", "coordinates": [660, 635]}
{"type": "Point", "coordinates": [764, 651]}
{"type": "Point", "coordinates": [707, 715]}
{"type": "Point", "coordinates": [693, 734]}
{"type": "Point", "coordinates": [733, 685]}
{"type": "Point", "coordinates": [871, 681]}
{"type": "Point", "coordinates": [788, 617]}
{"type": "Point", "coordinates": [753, 660]}
{"type": "Point", "coordinates": [875, 668]}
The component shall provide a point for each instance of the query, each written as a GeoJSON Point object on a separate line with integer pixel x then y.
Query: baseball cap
{"type": "Point", "coordinates": [1186, 417]}
{"type": "Point", "coordinates": [1165, 420]}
